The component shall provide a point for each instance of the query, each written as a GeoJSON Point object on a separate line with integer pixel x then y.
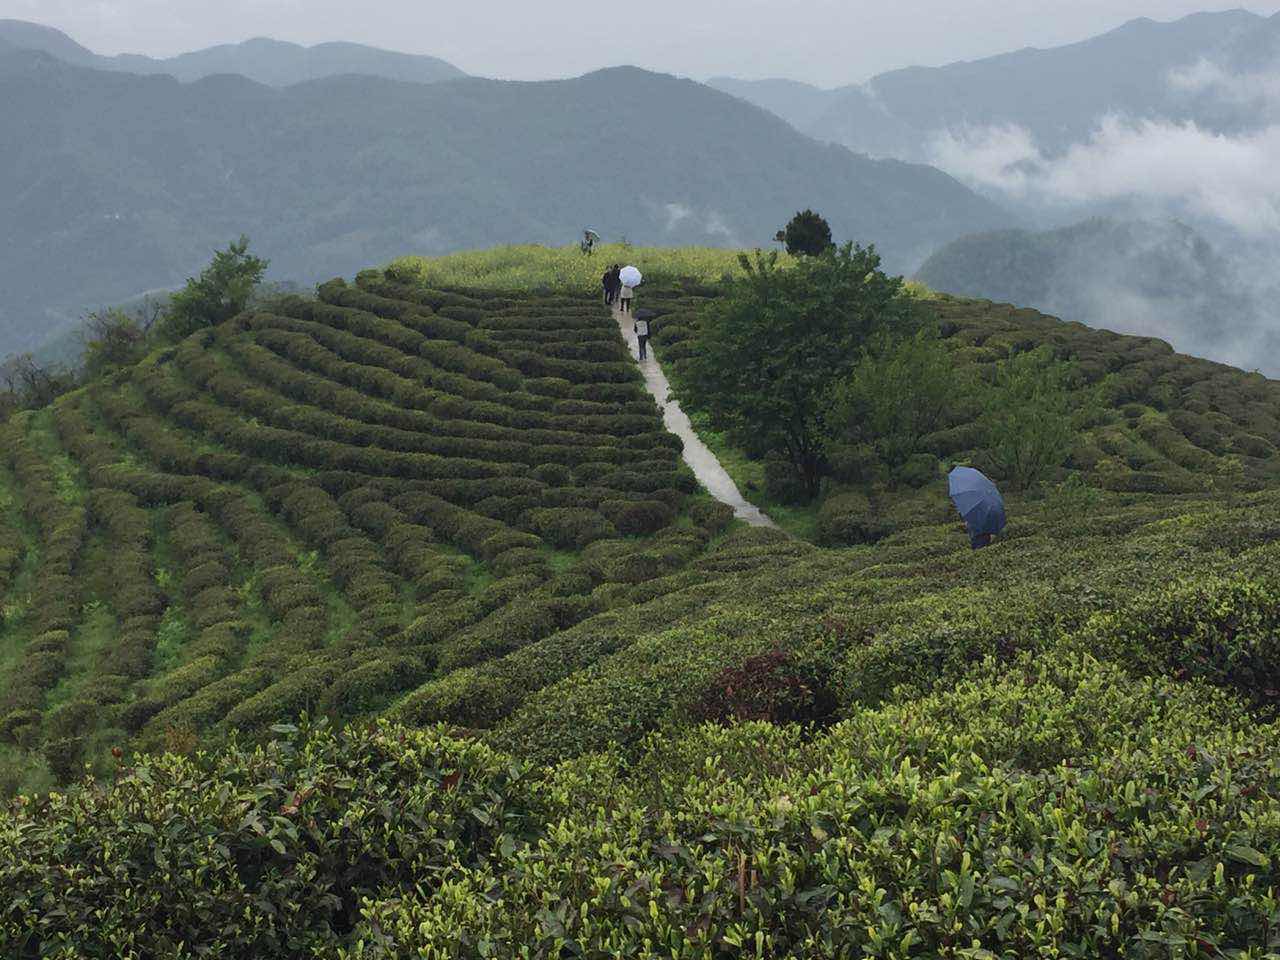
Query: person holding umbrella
{"type": "Point", "coordinates": [979, 503]}
{"type": "Point", "coordinates": [630, 278]}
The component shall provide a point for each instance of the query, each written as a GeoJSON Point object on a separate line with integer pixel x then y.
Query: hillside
{"type": "Point", "coordinates": [272, 62]}
{"type": "Point", "coordinates": [1057, 94]}
{"type": "Point", "coordinates": [113, 183]}
{"type": "Point", "coordinates": [1141, 277]}
{"type": "Point", "coordinates": [458, 507]}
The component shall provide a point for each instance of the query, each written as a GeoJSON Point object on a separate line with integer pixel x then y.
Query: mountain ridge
{"type": "Point", "coordinates": [1057, 93]}
{"type": "Point", "coordinates": [263, 59]}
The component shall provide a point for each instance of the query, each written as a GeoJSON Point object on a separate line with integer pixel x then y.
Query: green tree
{"type": "Point", "coordinates": [807, 235]}
{"type": "Point", "coordinates": [766, 353]}
{"type": "Point", "coordinates": [27, 384]}
{"type": "Point", "coordinates": [901, 390]}
{"type": "Point", "coordinates": [1033, 416]}
{"type": "Point", "coordinates": [219, 293]}
{"type": "Point", "coordinates": [114, 338]}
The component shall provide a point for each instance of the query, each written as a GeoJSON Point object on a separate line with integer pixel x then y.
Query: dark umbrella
{"type": "Point", "coordinates": [978, 501]}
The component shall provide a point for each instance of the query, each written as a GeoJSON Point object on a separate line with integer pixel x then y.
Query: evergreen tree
{"type": "Point", "coordinates": [807, 234]}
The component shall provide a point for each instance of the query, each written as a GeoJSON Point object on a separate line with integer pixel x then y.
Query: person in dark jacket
{"type": "Point", "coordinates": [607, 283]}
{"type": "Point", "coordinates": [615, 283]}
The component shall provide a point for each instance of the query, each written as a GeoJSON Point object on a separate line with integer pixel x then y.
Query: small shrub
{"type": "Point", "coordinates": [771, 687]}
{"type": "Point", "coordinates": [848, 518]}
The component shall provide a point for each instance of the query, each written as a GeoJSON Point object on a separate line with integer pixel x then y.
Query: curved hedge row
{"type": "Point", "coordinates": [325, 504]}
{"type": "Point", "coordinates": [53, 503]}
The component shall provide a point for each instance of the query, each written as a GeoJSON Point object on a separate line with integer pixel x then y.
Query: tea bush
{"type": "Point", "coordinates": [1035, 808]}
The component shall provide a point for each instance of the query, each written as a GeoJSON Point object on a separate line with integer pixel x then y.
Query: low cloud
{"type": "Point", "coordinates": [681, 217]}
{"type": "Point", "coordinates": [718, 227]}
{"type": "Point", "coordinates": [1229, 184]}
{"type": "Point", "coordinates": [1234, 180]}
{"type": "Point", "coordinates": [676, 214]}
{"type": "Point", "coordinates": [1204, 78]}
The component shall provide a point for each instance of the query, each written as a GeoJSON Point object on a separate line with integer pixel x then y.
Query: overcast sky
{"type": "Point", "coordinates": [829, 42]}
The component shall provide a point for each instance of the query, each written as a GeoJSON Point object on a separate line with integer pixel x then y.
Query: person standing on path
{"type": "Point", "coordinates": [642, 331]}
{"type": "Point", "coordinates": [607, 283]}
{"type": "Point", "coordinates": [615, 283]}
{"type": "Point", "coordinates": [627, 297]}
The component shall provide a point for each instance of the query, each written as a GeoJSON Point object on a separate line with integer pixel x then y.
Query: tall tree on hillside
{"type": "Point", "coordinates": [900, 391]}
{"type": "Point", "coordinates": [1033, 415]}
{"type": "Point", "coordinates": [807, 235]}
{"type": "Point", "coordinates": [767, 353]}
{"type": "Point", "coordinates": [219, 293]}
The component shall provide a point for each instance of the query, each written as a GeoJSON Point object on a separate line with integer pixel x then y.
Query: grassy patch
{"type": "Point", "coordinates": [748, 474]}
{"type": "Point", "coordinates": [535, 268]}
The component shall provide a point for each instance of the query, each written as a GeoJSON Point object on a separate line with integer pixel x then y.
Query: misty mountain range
{"type": "Point", "coordinates": [122, 173]}
{"type": "Point", "coordinates": [1147, 69]}
{"type": "Point", "coordinates": [115, 182]}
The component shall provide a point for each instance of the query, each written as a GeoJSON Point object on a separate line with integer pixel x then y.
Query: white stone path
{"type": "Point", "coordinates": [703, 462]}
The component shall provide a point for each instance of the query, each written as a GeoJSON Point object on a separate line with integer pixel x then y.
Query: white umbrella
{"type": "Point", "coordinates": [631, 277]}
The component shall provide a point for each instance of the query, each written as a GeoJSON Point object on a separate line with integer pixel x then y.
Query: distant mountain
{"type": "Point", "coordinates": [112, 183]}
{"type": "Point", "coordinates": [35, 36]}
{"type": "Point", "coordinates": [270, 62]}
{"type": "Point", "coordinates": [1142, 69]}
{"type": "Point", "coordinates": [800, 104]}
{"type": "Point", "coordinates": [1154, 278]}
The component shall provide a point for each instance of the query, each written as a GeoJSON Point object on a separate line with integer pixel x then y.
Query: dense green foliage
{"type": "Point", "coordinates": [1032, 417]}
{"type": "Point", "coordinates": [767, 352]}
{"type": "Point", "coordinates": [1135, 416]}
{"type": "Point", "coordinates": [220, 292]}
{"type": "Point", "coordinates": [609, 721]}
{"type": "Point", "coordinates": [900, 391]}
{"type": "Point", "coordinates": [1041, 807]}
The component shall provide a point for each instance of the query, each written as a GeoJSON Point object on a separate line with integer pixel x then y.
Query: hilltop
{"type": "Point", "coordinates": [420, 500]}
{"type": "Point", "coordinates": [112, 183]}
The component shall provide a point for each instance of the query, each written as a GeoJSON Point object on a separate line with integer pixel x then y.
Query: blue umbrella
{"type": "Point", "coordinates": [978, 501]}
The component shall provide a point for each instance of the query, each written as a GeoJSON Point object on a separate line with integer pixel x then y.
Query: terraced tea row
{"type": "Point", "coordinates": [323, 504]}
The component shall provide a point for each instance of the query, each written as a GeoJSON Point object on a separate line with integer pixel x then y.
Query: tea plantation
{"type": "Point", "coordinates": [390, 624]}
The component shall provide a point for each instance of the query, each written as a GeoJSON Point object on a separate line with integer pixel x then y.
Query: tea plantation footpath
{"type": "Point", "coordinates": [700, 459]}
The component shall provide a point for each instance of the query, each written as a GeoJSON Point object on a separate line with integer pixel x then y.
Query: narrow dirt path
{"type": "Point", "coordinates": [703, 462]}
